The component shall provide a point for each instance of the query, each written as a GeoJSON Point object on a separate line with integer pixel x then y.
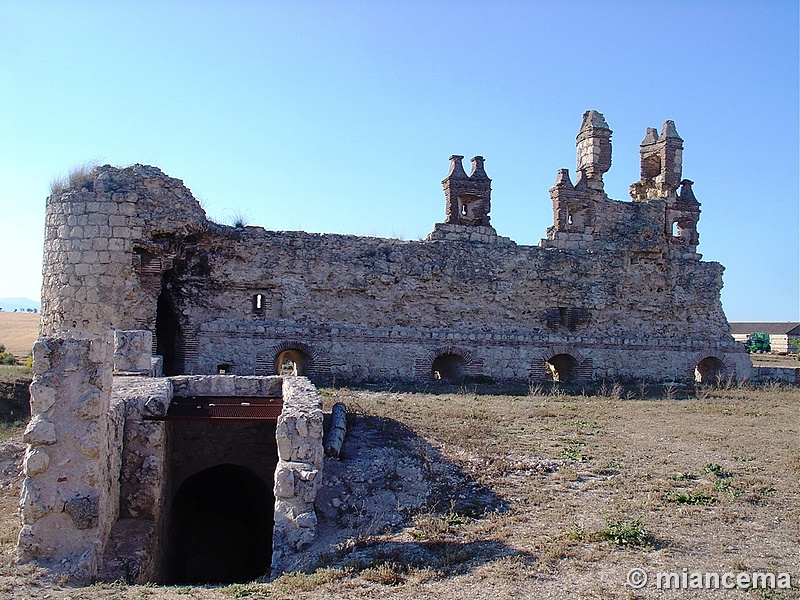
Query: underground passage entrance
{"type": "Point", "coordinates": [221, 527]}
{"type": "Point", "coordinates": [219, 512]}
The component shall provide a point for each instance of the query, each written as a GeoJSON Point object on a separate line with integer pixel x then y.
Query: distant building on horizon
{"type": "Point", "coordinates": [780, 334]}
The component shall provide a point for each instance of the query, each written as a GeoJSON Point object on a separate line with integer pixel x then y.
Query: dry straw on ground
{"type": "Point", "coordinates": [588, 487]}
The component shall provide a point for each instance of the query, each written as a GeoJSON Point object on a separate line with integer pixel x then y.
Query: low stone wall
{"type": "Point", "coordinates": [70, 493]}
{"type": "Point", "coordinates": [226, 385]}
{"type": "Point", "coordinates": [297, 476]}
{"type": "Point", "coordinates": [787, 374]}
{"type": "Point", "coordinates": [132, 552]}
{"type": "Point", "coordinates": [100, 469]}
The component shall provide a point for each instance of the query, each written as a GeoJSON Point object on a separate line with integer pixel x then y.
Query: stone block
{"type": "Point", "coordinates": [43, 395]}
{"type": "Point", "coordinates": [39, 431]}
{"type": "Point", "coordinates": [132, 351]}
{"type": "Point", "coordinates": [36, 461]}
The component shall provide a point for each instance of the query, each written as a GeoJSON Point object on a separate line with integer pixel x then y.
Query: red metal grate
{"type": "Point", "coordinates": [230, 408]}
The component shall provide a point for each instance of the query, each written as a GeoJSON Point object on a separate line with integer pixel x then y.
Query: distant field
{"type": "Point", "coordinates": [774, 360]}
{"type": "Point", "coordinates": [18, 331]}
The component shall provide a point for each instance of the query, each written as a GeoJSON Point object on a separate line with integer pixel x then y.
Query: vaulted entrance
{"type": "Point", "coordinates": [221, 527]}
{"type": "Point", "coordinates": [219, 509]}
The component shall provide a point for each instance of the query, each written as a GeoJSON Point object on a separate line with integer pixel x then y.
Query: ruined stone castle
{"type": "Point", "coordinates": [616, 290]}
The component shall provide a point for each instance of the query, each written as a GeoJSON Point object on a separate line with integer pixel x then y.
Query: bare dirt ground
{"type": "Point", "coordinates": [18, 331]}
{"type": "Point", "coordinates": [583, 488]}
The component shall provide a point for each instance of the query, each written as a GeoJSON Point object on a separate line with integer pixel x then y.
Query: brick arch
{"type": "Point", "coordinates": [698, 356]}
{"type": "Point", "coordinates": [463, 353]}
{"type": "Point", "coordinates": [729, 370]}
{"type": "Point", "coordinates": [583, 370]}
{"type": "Point", "coordinates": [424, 365]}
{"type": "Point", "coordinates": [318, 367]}
{"type": "Point", "coordinates": [292, 345]}
{"type": "Point", "coordinates": [563, 349]}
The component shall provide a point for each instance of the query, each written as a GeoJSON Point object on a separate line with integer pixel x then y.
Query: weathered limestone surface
{"type": "Point", "coordinates": [133, 550]}
{"type": "Point", "coordinates": [144, 461]}
{"type": "Point", "coordinates": [618, 286]}
{"type": "Point", "coordinates": [70, 494]}
{"type": "Point", "coordinates": [231, 385]}
{"type": "Point", "coordinates": [133, 352]}
{"type": "Point", "coordinates": [297, 475]}
{"type": "Point", "coordinates": [615, 290]}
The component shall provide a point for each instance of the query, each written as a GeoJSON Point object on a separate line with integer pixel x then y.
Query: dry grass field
{"type": "Point", "coordinates": [18, 331]}
{"type": "Point", "coordinates": [586, 487]}
{"type": "Point", "coordinates": [775, 360]}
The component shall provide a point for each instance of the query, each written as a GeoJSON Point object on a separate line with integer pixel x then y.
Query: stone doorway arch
{"type": "Point", "coordinates": [710, 370]}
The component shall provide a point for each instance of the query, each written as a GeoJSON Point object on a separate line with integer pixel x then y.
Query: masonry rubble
{"type": "Point", "coordinates": [616, 289]}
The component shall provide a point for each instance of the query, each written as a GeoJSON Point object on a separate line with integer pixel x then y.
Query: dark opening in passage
{"type": "Point", "coordinates": [221, 527]}
{"type": "Point", "coordinates": [168, 335]}
{"type": "Point", "coordinates": [449, 367]}
{"type": "Point", "coordinates": [562, 368]}
{"type": "Point", "coordinates": [710, 370]}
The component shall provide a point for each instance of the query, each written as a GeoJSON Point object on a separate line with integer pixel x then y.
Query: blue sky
{"type": "Point", "coordinates": [340, 116]}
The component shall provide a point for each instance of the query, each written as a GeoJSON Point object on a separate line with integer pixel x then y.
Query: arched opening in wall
{"type": "Point", "coordinates": [291, 362]}
{"type": "Point", "coordinates": [710, 370]}
{"type": "Point", "coordinates": [169, 337]}
{"type": "Point", "coordinates": [449, 367]}
{"type": "Point", "coordinates": [466, 206]}
{"type": "Point", "coordinates": [224, 369]}
{"type": "Point", "coordinates": [221, 527]}
{"type": "Point", "coordinates": [676, 230]}
{"type": "Point", "coordinates": [562, 368]}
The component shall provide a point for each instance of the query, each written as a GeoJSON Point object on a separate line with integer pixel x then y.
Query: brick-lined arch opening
{"type": "Point", "coordinates": [292, 362]}
{"type": "Point", "coordinates": [221, 527]}
{"type": "Point", "coordinates": [562, 368]}
{"type": "Point", "coordinates": [169, 336]}
{"type": "Point", "coordinates": [710, 370]}
{"type": "Point", "coordinates": [449, 367]}
{"type": "Point", "coordinates": [292, 358]}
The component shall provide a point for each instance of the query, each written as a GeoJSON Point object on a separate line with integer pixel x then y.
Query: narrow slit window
{"type": "Point", "coordinates": [258, 303]}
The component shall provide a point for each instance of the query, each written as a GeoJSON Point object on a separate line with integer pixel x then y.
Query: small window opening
{"type": "Point", "coordinates": [676, 230]}
{"type": "Point", "coordinates": [651, 167]}
{"type": "Point", "coordinates": [562, 368]}
{"type": "Point", "coordinates": [464, 211]}
{"type": "Point", "coordinates": [258, 303]}
{"type": "Point", "coordinates": [223, 369]}
{"type": "Point", "coordinates": [569, 219]}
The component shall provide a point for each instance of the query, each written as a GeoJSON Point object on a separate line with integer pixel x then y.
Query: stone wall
{"type": "Point", "coordinates": [617, 286]}
{"type": "Point", "coordinates": [104, 464]}
{"type": "Point", "coordinates": [784, 374]}
{"type": "Point", "coordinates": [70, 493]}
{"type": "Point", "coordinates": [298, 473]}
